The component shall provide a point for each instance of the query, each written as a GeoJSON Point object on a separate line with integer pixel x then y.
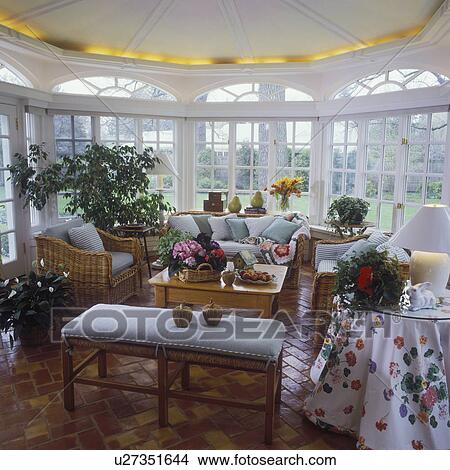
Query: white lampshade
{"type": "Point", "coordinates": [428, 230]}
{"type": "Point", "coordinates": [164, 167]}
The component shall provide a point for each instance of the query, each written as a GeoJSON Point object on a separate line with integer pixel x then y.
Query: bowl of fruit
{"type": "Point", "coordinates": [255, 277]}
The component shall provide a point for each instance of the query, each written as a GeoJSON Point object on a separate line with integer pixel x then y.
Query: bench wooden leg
{"type": "Point", "coordinates": [280, 373]}
{"type": "Point", "coordinates": [163, 392]}
{"type": "Point", "coordinates": [270, 401]}
{"type": "Point", "coordinates": [185, 376]}
{"type": "Point", "coordinates": [69, 389]}
{"type": "Point", "coordinates": [102, 365]}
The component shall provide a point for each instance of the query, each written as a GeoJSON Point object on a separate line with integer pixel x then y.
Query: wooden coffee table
{"type": "Point", "coordinates": [240, 294]}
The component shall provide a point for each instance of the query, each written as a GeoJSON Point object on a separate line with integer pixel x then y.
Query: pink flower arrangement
{"type": "Point", "coordinates": [192, 253]}
{"type": "Point", "coordinates": [187, 250]}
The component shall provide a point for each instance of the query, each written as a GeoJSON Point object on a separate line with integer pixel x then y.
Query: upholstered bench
{"type": "Point", "coordinates": [238, 343]}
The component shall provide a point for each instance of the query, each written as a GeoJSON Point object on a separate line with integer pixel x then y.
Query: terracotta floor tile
{"type": "Point", "coordinates": [32, 414]}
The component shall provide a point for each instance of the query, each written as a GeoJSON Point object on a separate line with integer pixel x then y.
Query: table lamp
{"type": "Point", "coordinates": [162, 168]}
{"type": "Point", "coordinates": [427, 235]}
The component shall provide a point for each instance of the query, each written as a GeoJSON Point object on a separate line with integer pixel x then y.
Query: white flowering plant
{"type": "Point", "coordinates": [26, 302]}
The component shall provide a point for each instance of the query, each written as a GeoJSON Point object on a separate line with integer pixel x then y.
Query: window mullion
{"type": "Point", "coordinates": [231, 158]}
{"type": "Point", "coordinates": [361, 156]}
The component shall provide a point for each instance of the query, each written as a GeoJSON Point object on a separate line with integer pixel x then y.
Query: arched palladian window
{"type": "Point", "coordinates": [392, 80]}
{"type": "Point", "coordinates": [7, 75]}
{"type": "Point", "coordinates": [254, 92]}
{"type": "Point", "coordinates": [114, 86]}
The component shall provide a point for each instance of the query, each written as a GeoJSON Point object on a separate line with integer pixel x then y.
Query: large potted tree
{"type": "Point", "coordinates": [107, 186]}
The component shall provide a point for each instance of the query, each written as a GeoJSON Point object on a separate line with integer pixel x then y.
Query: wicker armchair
{"type": "Point", "coordinates": [91, 272]}
{"type": "Point", "coordinates": [323, 282]}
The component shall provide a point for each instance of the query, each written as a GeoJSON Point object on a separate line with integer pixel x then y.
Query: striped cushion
{"type": "Point", "coordinates": [333, 251]}
{"type": "Point", "coordinates": [378, 238]}
{"type": "Point", "coordinates": [394, 252]}
{"type": "Point", "coordinates": [327, 266]}
{"type": "Point", "coordinates": [86, 238]}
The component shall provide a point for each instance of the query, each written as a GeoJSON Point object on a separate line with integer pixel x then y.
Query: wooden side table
{"type": "Point", "coordinates": [140, 232]}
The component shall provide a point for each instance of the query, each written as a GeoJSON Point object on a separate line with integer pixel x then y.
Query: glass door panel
{"type": "Point", "coordinates": [12, 234]}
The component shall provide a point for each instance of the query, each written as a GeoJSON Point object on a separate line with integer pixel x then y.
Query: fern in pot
{"type": "Point", "coordinates": [26, 305]}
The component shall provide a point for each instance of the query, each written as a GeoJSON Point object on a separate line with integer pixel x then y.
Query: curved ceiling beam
{"type": "Point", "coordinates": [39, 10]}
{"type": "Point", "coordinates": [234, 23]}
{"type": "Point", "coordinates": [149, 24]}
{"type": "Point", "coordinates": [322, 21]}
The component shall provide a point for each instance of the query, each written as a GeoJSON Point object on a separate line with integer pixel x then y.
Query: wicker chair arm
{"type": "Point", "coordinates": [127, 245]}
{"type": "Point", "coordinates": [82, 265]}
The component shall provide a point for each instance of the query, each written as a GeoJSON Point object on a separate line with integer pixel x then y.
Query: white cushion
{"type": "Point", "coordinates": [257, 225]}
{"type": "Point", "coordinates": [220, 228]}
{"type": "Point", "coordinates": [86, 238]}
{"type": "Point", "coordinates": [185, 223]}
{"type": "Point", "coordinates": [327, 266]}
{"type": "Point", "coordinates": [394, 252]}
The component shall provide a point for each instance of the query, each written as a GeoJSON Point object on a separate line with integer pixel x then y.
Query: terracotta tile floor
{"type": "Point", "coordinates": [32, 415]}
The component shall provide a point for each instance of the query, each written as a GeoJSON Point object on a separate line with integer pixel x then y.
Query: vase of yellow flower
{"type": "Point", "coordinates": [284, 188]}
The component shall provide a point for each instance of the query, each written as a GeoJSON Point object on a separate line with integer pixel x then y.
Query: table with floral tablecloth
{"type": "Point", "coordinates": [384, 377]}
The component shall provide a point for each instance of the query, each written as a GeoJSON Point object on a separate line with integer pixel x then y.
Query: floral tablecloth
{"type": "Point", "coordinates": [384, 377]}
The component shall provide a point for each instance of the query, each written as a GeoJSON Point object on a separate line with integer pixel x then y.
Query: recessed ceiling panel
{"type": "Point", "coordinates": [218, 31]}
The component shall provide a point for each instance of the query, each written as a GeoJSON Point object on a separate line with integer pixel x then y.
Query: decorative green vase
{"type": "Point", "coordinates": [257, 200]}
{"type": "Point", "coordinates": [235, 205]}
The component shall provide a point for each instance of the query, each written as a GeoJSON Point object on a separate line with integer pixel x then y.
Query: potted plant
{"type": "Point", "coordinates": [26, 304]}
{"type": "Point", "coordinates": [347, 210]}
{"type": "Point", "coordinates": [369, 280]}
{"type": "Point", "coordinates": [166, 243]}
{"type": "Point", "coordinates": [197, 260]}
{"type": "Point", "coordinates": [106, 186]}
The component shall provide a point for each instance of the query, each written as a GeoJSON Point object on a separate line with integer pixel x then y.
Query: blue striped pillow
{"type": "Point", "coordinates": [86, 238]}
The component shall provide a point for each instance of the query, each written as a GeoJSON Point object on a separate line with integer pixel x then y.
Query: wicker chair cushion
{"type": "Point", "coordinates": [334, 251]}
{"type": "Point", "coordinates": [378, 238]}
{"type": "Point", "coordinates": [394, 252]}
{"type": "Point", "coordinates": [327, 266]}
{"type": "Point", "coordinates": [241, 337]}
{"type": "Point", "coordinates": [86, 238]}
{"type": "Point", "coordinates": [61, 231]}
{"type": "Point", "coordinates": [120, 261]}
{"type": "Point", "coordinates": [357, 249]}
{"type": "Point", "coordinates": [185, 223]}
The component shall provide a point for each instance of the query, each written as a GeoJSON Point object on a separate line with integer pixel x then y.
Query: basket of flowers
{"type": "Point", "coordinates": [197, 260]}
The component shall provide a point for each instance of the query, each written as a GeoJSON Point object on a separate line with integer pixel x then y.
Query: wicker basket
{"type": "Point", "coordinates": [203, 273]}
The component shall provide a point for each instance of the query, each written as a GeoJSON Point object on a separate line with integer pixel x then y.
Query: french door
{"type": "Point", "coordinates": [12, 227]}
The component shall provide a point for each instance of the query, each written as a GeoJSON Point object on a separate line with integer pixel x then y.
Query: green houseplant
{"type": "Point", "coordinates": [26, 305]}
{"type": "Point", "coordinates": [369, 280]}
{"type": "Point", "coordinates": [167, 241]}
{"type": "Point", "coordinates": [348, 210]}
{"type": "Point", "coordinates": [106, 186]}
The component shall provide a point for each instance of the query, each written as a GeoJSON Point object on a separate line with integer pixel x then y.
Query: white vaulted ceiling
{"type": "Point", "coordinates": [218, 31]}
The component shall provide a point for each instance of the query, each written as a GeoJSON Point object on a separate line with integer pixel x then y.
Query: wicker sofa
{"type": "Point", "coordinates": [111, 276]}
{"type": "Point", "coordinates": [231, 247]}
{"type": "Point", "coordinates": [324, 277]}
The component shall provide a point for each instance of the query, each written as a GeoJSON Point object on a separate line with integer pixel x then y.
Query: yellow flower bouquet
{"type": "Point", "coordinates": [284, 188]}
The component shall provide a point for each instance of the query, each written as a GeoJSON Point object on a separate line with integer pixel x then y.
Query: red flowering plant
{"type": "Point", "coordinates": [192, 253]}
{"type": "Point", "coordinates": [368, 280]}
